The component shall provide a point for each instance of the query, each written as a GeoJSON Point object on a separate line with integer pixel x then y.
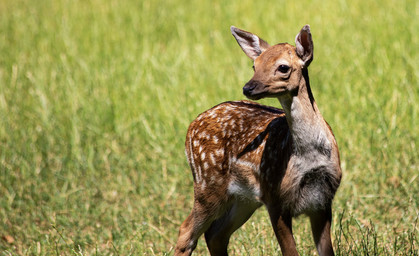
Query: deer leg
{"type": "Point", "coordinates": [191, 229]}
{"type": "Point", "coordinates": [282, 225]}
{"type": "Point", "coordinates": [218, 235]}
{"type": "Point", "coordinates": [320, 226]}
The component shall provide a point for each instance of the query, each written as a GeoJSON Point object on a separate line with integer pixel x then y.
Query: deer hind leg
{"type": "Point", "coordinates": [320, 226]}
{"type": "Point", "coordinates": [209, 204]}
{"type": "Point", "coordinates": [191, 229]}
{"type": "Point", "coordinates": [282, 225]}
{"type": "Point", "coordinates": [218, 234]}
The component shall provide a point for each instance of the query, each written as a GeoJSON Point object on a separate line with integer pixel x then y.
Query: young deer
{"type": "Point", "coordinates": [244, 155]}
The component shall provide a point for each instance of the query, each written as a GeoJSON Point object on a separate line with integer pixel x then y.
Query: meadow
{"type": "Point", "coordinates": [96, 97]}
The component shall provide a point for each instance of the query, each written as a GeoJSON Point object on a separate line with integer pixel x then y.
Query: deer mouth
{"type": "Point", "coordinates": [256, 96]}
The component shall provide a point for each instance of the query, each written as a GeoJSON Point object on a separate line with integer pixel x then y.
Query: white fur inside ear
{"type": "Point", "coordinates": [252, 47]}
{"type": "Point", "coordinates": [248, 42]}
{"type": "Point", "coordinates": [300, 48]}
{"type": "Point", "coordinates": [304, 45]}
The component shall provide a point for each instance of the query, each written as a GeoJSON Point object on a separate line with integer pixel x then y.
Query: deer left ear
{"type": "Point", "coordinates": [304, 45]}
{"type": "Point", "coordinates": [251, 44]}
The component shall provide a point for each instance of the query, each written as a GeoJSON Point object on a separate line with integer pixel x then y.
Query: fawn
{"type": "Point", "coordinates": [244, 155]}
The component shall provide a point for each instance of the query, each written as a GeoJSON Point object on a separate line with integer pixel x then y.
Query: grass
{"type": "Point", "coordinates": [96, 97]}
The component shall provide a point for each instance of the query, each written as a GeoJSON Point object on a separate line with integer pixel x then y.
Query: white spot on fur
{"type": "Point", "coordinates": [206, 166]}
{"type": "Point", "coordinates": [224, 133]}
{"type": "Point", "coordinates": [198, 174]}
{"type": "Point", "coordinates": [212, 159]}
{"type": "Point", "coordinates": [240, 190]}
{"type": "Point", "coordinates": [191, 160]}
{"type": "Point", "coordinates": [212, 180]}
{"type": "Point", "coordinates": [212, 114]}
{"type": "Point", "coordinates": [215, 139]}
{"type": "Point", "coordinates": [259, 150]}
{"type": "Point", "coordinates": [219, 152]}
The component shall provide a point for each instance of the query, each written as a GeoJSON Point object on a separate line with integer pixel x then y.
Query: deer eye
{"type": "Point", "coordinates": [283, 68]}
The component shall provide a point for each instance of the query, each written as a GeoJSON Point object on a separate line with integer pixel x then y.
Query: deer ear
{"type": "Point", "coordinates": [251, 44]}
{"type": "Point", "coordinates": [304, 45]}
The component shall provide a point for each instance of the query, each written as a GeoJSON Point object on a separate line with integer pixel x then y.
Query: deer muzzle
{"type": "Point", "coordinates": [254, 89]}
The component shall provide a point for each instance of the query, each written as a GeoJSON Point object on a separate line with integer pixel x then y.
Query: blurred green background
{"type": "Point", "coordinates": [96, 97]}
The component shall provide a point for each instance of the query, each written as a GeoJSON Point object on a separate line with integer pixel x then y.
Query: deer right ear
{"type": "Point", "coordinates": [251, 44]}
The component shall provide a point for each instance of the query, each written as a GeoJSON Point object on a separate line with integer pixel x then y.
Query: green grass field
{"type": "Point", "coordinates": [96, 97]}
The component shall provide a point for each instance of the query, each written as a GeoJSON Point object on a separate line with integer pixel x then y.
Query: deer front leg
{"type": "Point", "coordinates": [320, 226]}
{"type": "Point", "coordinates": [282, 225]}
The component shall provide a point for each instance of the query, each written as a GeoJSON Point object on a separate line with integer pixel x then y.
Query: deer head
{"type": "Point", "coordinates": [278, 68]}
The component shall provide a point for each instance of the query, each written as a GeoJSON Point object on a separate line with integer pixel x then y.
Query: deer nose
{"type": "Point", "coordinates": [249, 87]}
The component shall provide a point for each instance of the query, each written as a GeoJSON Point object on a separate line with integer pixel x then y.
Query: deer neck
{"type": "Point", "coordinates": [308, 129]}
